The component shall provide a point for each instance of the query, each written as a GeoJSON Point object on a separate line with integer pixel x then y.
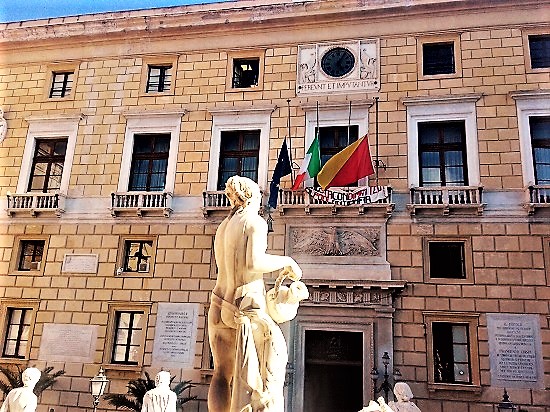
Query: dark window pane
{"type": "Point", "coordinates": [245, 72]}
{"type": "Point", "coordinates": [239, 153]}
{"type": "Point", "coordinates": [442, 153]}
{"type": "Point", "coordinates": [17, 332]}
{"type": "Point", "coordinates": [438, 58]}
{"type": "Point", "coordinates": [62, 83]}
{"type": "Point", "coordinates": [31, 255]}
{"type": "Point", "coordinates": [451, 350]}
{"type": "Point", "coordinates": [158, 79]}
{"type": "Point", "coordinates": [539, 49]}
{"type": "Point", "coordinates": [128, 331]}
{"type": "Point", "coordinates": [540, 142]}
{"type": "Point", "coordinates": [47, 167]}
{"type": "Point", "coordinates": [149, 162]}
{"type": "Point", "coordinates": [447, 260]}
{"type": "Point", "coordinates": [137, 254]}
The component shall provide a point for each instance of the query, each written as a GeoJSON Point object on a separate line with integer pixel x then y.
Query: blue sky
{"type": "Point", "coordinates": [15, 10]}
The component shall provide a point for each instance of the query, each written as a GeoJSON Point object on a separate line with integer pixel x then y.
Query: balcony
{"type": "Point", "coordinates": [36, 203]}
{"type": "Point", "coordinates": [337, 200]}
{"type": "Point", "coordinates": [447, 199]}
{"type": "Point", "coordinates": [539, 197]}
{"type": "Point", "coordinates": [141, 203]}
{"type": "Point", "coordinates": [215, 201]}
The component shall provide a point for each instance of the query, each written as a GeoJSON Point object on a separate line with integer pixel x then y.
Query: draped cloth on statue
{"type": "Point", "coordinates": [260, 364]}
{"type": "Point", "coordinates": [20, 400]}
{"type": "Point", "coordinates": [157, 400]}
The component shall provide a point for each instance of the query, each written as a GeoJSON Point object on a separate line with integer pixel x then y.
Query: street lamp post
{"type": "Point", "coordinates": [385, 386]}
{"type": "Point", "coordinates": [506, 404]}
{"type": "Point", "coordinates": [97, 386]}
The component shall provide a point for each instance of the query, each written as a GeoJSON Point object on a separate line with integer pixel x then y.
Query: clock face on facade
{"type": "Point", "coordinates": [338, 62]}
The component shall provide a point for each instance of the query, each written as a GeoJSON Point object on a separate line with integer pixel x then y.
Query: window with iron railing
{"type": "Point", "coordinates": [438, 58]}
{"type": "Point", "coordinates": [149, 162]}
{"type": "Point", "coordinates": [540, 143]}
{"type": "Point", "coordinates": [158, 78]}
{"type": "Point", "coordinates": [62, 83]}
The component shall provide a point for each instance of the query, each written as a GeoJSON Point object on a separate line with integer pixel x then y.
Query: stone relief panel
{"type": "Point", "coordinates": [335, 241]}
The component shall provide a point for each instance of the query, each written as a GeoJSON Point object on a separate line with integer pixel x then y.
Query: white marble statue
{"type": "Point", "coordinates": [23, 399]}
{"type": "Point", "coordinates": [161, 398]}
{"type": "Point", "coordinates": [249, 349]}
{"type": "Point", "coordinates": [402, 393]}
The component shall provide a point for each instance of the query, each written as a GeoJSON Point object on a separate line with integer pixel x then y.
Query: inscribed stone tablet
{"type": "Point", "coordinates": [68, 343]}
{"type": "Point", "coordinates": [515, 350]}
{"type": "Point", "coordinates": [80, 263]}
{"type": "Point", "coordinates": [175, 335]}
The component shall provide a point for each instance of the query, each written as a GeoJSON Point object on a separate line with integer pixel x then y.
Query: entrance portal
{"type": "Point", "coordinates": [333, 376]}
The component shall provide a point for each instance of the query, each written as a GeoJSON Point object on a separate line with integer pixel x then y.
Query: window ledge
{"type": "Point", "coordinates": [36, 203]}
{"type": "Point", "coordinates": [433, 387]}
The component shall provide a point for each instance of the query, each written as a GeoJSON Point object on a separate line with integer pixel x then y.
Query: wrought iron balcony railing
{"type": "Point", "coordinates": [446, 198]}
{"type": "Point", "coordinates": [36, 203]}
{"type": "Point", "coordinates": [141, 203]}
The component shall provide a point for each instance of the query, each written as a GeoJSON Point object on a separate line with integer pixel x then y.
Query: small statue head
{"type": "Point", "coordinates": [402, 392]}
{"type": "Point", "coordinates": [30, 377]}
{"type": "Point", "coordinates": [162, 379]}
{"type": "Point", "coordinates": [243, 192]}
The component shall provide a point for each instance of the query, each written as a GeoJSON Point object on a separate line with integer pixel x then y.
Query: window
{"type": "Point", "coordinates": [126, 333]}
{"type": "Point", "coordinates": [17, 332]}
{"type": "Point", "coordinates": [62, 83]}
{"type": "Point", "coordinates": [447, 260]}
{"type": "Point", "coordinates": [239, 153]}
{"type": "Point", "coordinates": [158, 78]}
{"type": "Point", "coordinates": [48, 155]}
{"type": "Point", "coordinates": [47, 165]}
{"type": "Point", "coordinates": [540, 141]}
{"type": "Point", "coordinates": [453, 360]}
{"type": "Point", "coordinates": [137, 255]}
{"type": "Point", "coordinates": [31, 255]}
{"type": "Point", "coordinates": [442, 140]}
{"type": "Point", "coordinates": [245, 73]}
{"type": "Point", "coordinates": [240, 144]}
{"type": "Point", "coordinates": [539, 50]}
{"type": "Point", "coordinates": [451, 347]}
{"type": "Point", "coordinates": [149, 162]}
{"type": "Point", "coordinates": [442, 154]}
{"type": "Point", "coordinates": [17, 317]}
{"type": "Point", "coordinates": [438, 58]}
{"type": "Point", "coordinates": [150, 150]}
{"type": "Point", "coordinates": [127, 337]}
{"type": "Point", "coordinates": [245, 70]}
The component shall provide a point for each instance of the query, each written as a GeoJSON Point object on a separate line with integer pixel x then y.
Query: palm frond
{"type": "Point", "coordinates": [15, 379]}
{"type": "Point", "coordinates": [123, 401]}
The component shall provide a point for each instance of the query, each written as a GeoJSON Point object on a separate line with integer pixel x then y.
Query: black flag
{"type": "Point", "coordinates": [281, 169]}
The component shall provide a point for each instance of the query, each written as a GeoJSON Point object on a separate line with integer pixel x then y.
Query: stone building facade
{"type": "Point", "coordinates": [121, 129]}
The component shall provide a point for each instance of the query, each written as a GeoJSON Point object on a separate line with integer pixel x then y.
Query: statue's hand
{"type": "Point", "coordinates": [293, 272]}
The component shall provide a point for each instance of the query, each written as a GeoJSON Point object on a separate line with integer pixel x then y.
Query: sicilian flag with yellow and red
{"type": "Point", "coordinates": [347, 166]}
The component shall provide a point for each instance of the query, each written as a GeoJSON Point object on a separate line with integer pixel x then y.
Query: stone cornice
{"type": "Point", "coordinates": [164, 21]}
{"type": "Point", "coordinates": [459, 98]}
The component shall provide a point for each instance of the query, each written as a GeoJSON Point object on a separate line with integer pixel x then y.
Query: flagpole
{"type": "Point", "coordinates": [317, 133]}
{"type": "Point", "coordinates": [349, 120]}
{"type": "Point", "coordinates": [290, 143]}
{"type": "Point", "coordinates": [376, 120]}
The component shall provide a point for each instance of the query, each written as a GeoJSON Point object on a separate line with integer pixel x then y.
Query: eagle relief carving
{"type": "Point", "coordinates": [336, 241]}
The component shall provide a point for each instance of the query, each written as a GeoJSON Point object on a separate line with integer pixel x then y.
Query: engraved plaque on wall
{"type": "Point", "coordinates": [80, 263]}
{"type": "Point", "coordinates": [68, 343]}
{"type": "Point", "coordinates": [515, 350]}
{"type": "Point", "coordinates": [344, 67]}
{"type": "Point", "coordinates": [175, 335]}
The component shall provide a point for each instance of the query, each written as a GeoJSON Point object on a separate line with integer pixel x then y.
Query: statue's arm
{"type": "Point", "coordinates": [258, 261]}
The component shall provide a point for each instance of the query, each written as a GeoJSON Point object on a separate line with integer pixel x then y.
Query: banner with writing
{"type": "Point", "coordinates": [349, 195]}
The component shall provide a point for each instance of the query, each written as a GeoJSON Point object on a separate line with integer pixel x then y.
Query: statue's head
{"type": "Point", "coordinates": [30, 377]}
{"type": "Point", "coordinates": [162, 379]}
{"type": "Point", "coordinates": [402, 392]}
{"type": "Point", "coordinates": [243, 192]}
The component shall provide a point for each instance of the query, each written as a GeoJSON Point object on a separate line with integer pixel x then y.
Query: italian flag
{"type": "Point", "coordinates": [311, 164]}
{"type": "Point", "coordinates": [347, 166]}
